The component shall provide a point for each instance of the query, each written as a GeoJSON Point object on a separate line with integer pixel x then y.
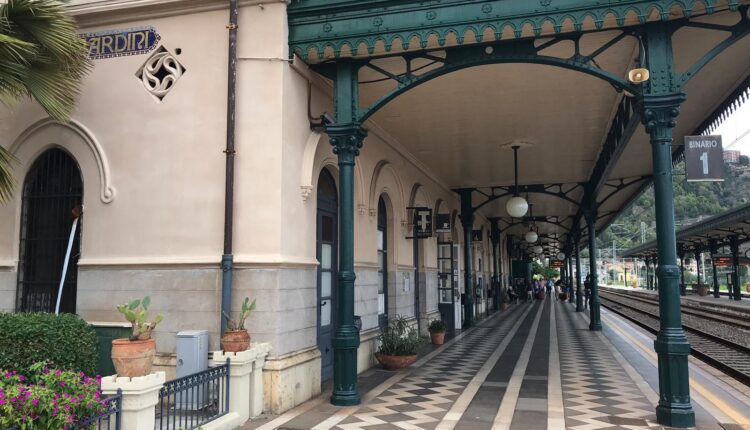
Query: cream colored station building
{"type": "Point", "coordinates": [151, 168]}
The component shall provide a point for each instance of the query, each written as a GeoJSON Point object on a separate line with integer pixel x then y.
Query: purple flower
{"type": "Point", "coordinates": [2, 402]}
{"type": "Point", "coordinates": [21, 378]}
{"type": "Point", "coordinates": [35, 402]}
{"type": "Point", "coordinates": [58, 372]}
{"type": "Point", "coordinates": [62, 383]}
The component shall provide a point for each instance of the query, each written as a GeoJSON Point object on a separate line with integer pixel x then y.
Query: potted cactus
{"type": "Point", "coordinates": [236, 338]}
{"type": "Point", "coordinates": [134, 356]}
{"type": "Point", "coordinates": [437, 331]}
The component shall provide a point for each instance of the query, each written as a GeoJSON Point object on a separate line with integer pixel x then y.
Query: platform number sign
{"type": "Point", "coordinates": [704, 158]}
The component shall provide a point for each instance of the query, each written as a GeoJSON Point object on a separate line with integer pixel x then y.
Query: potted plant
{"type": "Point", "coordinates": [399, 343]}
{"type": "Point", "coordinates": [236, 338]}
{"type": "Point", "coordinates": [437, 331]}
{"type": "Point", "coordinates": [134, 356]}
{"type": "Point", "coordinates": [702, 289]}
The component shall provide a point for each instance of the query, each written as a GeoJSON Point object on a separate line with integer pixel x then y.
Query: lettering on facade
{"type": "Point", "coordinates": [119, 43]}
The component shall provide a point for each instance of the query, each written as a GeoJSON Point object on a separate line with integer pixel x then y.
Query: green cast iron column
{"type": "Point", "coordinates": [595, 313]}
{"type": "Point", "coordinates": [734, 246]}
{"type": "Point", "coordinates": [660, 106]}
{"type": "Point", "coordinates": [674, 407]}
{"type": "Point", "coordinates": [346, 137]}
{"type": "Point", "coordinates": [579, 293]}
{"type": "Point", "coordinates": [712, 247]}
{"type": "Point", "coordinates": [467, 221]}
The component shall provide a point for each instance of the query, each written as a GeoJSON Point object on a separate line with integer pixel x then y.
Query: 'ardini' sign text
{"type": "Point", "coordinates": [118, 43]}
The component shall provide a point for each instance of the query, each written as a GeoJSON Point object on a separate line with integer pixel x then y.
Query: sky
{"type": "Point", "coordinates": [735, 131]}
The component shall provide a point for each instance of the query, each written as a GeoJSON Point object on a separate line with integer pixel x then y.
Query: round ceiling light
{"type": "Point", "coordinates": [538, 249]}
{"type": "Point", "coordinates": [531, 236]}
{"type": "Point", "coordinates": [517, 206]}
{"type": "Point", "coordinates": [561, 256]}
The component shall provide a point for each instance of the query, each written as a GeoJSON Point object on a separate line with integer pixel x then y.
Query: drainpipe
{"type": "Point", "coordinates": [227, 260]}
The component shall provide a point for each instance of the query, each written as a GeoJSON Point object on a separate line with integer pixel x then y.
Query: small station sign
{"type": "Point", "coordinates": [556, 264]}
{"type": "Point", "coordinates": [704, 158]}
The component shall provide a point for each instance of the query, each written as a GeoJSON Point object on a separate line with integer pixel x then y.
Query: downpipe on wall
{"type": "Point", "coordinates": [227, 260]}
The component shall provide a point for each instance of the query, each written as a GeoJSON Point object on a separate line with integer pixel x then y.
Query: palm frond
{"type": "Point", "coordinates": [7, 180]}
{"type": "Point", "coordinates": [41, 55]}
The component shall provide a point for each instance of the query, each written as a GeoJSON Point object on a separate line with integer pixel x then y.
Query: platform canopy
{"type": "Point", "coordinates": [717, 230]}
{"type": "Point", "coordinates": [457, 83]}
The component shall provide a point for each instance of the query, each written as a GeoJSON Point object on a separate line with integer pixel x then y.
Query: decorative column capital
{"type": "Point", "coordinates": [347, 140]}
{"type": "Point", "coordinates": [660, 112]}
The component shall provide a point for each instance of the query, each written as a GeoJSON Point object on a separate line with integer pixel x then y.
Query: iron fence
{"type": "Point", "coordinates": [110, 418]}
{"type": "Point", "coordinates": [191, 401]}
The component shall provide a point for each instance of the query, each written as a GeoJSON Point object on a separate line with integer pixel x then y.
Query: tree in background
{"type": "Point", "coordinates": [42, 58]}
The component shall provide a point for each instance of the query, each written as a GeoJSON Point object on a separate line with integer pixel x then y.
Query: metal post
{"type": "Point", "coordinates": [495, 239]}
{"type": "Point", "coordinates": [346, 137]}
{"type": "Point", "coordinates": [681, 254]}
{"type": "Point", "coordinates": [595, 313]}
{"type": "Point", "coordinates": [660, 105]}
{"type": "Point", "coordinates": [734, 245]}
{"type": "Point", "coordinates": [712, 247]}
{"type": "Point", "coordinates": [579, 293]}
{"type": "Point", "coordinates": [698, 254]}
{"type": "Point", "coordinates": [467, 221]}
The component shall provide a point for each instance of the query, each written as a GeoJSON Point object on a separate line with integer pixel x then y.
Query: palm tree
{"type": "Point", "coordinates": [42, 58]}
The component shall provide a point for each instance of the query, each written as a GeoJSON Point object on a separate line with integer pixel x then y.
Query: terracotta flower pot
{"type": "Point", "coordinates": [395, 362]}
{"type": "Point", "coordinates": [702, 290]}
{"type": "Point", "coordinates": [438, 338]}
{"type": "Point", "coordinates": [133, 358]}
{"type": "Point", "coordinates": [747, 287]}
{"type": "Point", "coordinates": [235, 341]}
{"type": "Point", "coordinates": [563, 296]}
{"type": "Point", "coordinates": [503, 306]}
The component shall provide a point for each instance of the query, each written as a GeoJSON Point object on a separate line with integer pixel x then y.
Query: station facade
{"type": "Point", "coordinates": [146, 161]}
{"type": "Point", "coordinates": [349, 116]}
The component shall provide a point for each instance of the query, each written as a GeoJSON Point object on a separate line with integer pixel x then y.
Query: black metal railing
{"type": "Point", "coordinates": [193, 400]}
{"type": "Point", "coordinates": [110, 418]}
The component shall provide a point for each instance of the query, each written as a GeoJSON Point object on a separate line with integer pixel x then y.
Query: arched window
{"type": "Point", "coordinates": [52, 189]}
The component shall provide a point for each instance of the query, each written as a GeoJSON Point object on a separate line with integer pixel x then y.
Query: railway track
{"type": "Point", "coordinates": [726, 355]}
{"type": "Point", "coordinates": [712, 313]}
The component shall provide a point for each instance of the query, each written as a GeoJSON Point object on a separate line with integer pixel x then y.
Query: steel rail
{"type": "Point", "coordinates": [695, 337]}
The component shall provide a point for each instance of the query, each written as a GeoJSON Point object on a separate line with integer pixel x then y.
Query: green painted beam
{"type": "Point", "coordinates": [315, 25]}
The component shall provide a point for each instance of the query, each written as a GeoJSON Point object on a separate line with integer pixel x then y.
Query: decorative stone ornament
{"type": "Point", "coordinates": [160, 73]}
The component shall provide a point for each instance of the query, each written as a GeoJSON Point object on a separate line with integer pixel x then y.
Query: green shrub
{"type": "Point", "coordinates": [399, 338]}
{"type": "Point", "coordinates": [437, 326]}
{"type": "Point", "coordinates": [64, 341]}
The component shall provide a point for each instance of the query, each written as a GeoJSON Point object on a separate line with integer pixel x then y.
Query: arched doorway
{"type": "Point", "coordinates": [52, 188]}
{"type": "Point", "coordinates": [382, 264]}
{"type": "Point", "coordinates": [326, 253]}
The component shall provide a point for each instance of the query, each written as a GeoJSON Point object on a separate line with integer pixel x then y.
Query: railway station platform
{"type": "Point", "coordinates": [534, 366]}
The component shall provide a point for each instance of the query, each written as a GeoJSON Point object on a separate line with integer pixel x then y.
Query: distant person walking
{"type": "Point", "coordinates": [587, 291]}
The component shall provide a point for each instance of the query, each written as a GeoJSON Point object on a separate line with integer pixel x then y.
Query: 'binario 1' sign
{"type": "Point", "coordinates": [704, 158]}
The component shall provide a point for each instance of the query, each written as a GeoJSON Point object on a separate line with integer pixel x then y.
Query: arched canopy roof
{"type": "Point", "coordinates": [467, 84]}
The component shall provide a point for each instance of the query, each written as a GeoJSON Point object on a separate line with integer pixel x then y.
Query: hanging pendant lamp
{"type": "Point", "coordinates": [531, 236]}
{"type": "Point", "coordinates": [516, 206]}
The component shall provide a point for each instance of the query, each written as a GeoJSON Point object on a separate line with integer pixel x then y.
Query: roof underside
{"type": "Point", "coordinates": [458, 124]}
{"type": "Point", "coordinates": [717, 229]}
